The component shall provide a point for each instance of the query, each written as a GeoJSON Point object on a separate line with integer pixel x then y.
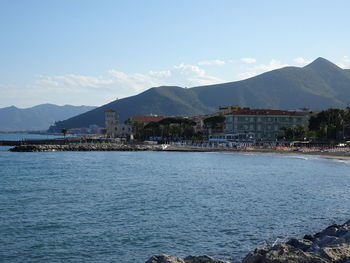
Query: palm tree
{"type": "Point", "coordinates": [104, 132]}
{"type": "Point", "coordinates": [64, 131]}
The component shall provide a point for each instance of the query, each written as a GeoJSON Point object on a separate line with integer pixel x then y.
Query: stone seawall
{"type": "Point", "coordinates": [85, 147]}
{"type": "Point", "coordinates": [330, 245]}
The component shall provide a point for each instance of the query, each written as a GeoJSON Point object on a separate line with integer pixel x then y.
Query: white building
{"type": "Point", "coordinates": [114, 129]}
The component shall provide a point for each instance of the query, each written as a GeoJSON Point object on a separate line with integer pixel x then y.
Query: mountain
{"type": "Point", "coordinates": [37, 118]}
{"type": "Point", "coordinates": [317, 86]}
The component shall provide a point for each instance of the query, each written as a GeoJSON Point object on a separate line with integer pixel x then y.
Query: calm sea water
{"type": "Point", "coordinates": [126, 206]}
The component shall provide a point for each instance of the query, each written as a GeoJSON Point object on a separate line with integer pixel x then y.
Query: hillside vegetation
{"type": "Point", "coordinates": [319, 85]}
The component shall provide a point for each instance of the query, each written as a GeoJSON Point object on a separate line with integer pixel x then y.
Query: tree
{"type": "Point", "coordinates": [330, 124]}
{"type": "Point", "coordinates": [64, 131]}
{"type": "Point", "coordinates": [104, 131]}
{"type": "Point", "coordinates": [295, 133]}
{"type": "Point", "coordinates": [170, 129]}
{"type": "Point", "coordinates": [215, 123]}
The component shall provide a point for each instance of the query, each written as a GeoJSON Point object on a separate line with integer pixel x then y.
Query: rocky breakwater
{"type": "Point", "coordinates": [85, 147]}
{"type": "Point", "coordinates": [190, 259]}
{"type": "Point", "coordinates": [329, 245]}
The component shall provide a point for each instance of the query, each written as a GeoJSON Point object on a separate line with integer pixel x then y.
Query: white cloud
{"type": "Point", "coordinates": [344, 62]}
{"type": "Point", "coordinates": [245, 75]}
{"type": "Point", "coordinates": [135, 82]}
{"type": "Point", "coordinates": [193, 76]}
{"type": "Point", "coordinates": [301, 61]}
{"type": "Point", "coordinates": [274, 64]}
{"type": "Point", "coordinates": [72, 80]}
{"type": "Point", "coordinates": [216, 62]}
{"type": "Point", "coordinates": [160, 74]}
{"type": "Point", "coordinates": [248, 60]}
{"type": "Point", "coordinates": [126, 84]}
{"type": "Point", "coordinates": [258, 69]}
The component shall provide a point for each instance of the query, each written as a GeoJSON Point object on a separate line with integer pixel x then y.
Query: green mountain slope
{"type": "Point", "coordinates": [286, 88]}
{"type": "Point", "coordinates": [319, 85]}
{"type": "Point", "coordinates": [166, 101]}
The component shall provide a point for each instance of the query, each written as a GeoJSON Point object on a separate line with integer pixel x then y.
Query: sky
{"type": "Point", "coordinates": [85, 52]}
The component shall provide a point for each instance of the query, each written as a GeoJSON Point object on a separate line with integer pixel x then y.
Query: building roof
{"type": "Point", "coordinates": [146, 119]}
{"type": "Point", "coordinates": [266, 112]}
{"type": "Point", "coordinates": [109, 110]}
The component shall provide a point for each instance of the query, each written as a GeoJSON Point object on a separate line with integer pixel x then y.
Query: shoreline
{"type": "Point", "coordinates": [321, 154]}
{"type": "Point", "coordinates": [339, 155]}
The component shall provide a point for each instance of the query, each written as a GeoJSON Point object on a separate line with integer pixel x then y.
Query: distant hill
{"type": "Point", "coordinates": [37, 118]}
{"type": "Point", "coordinates": [317, 86]}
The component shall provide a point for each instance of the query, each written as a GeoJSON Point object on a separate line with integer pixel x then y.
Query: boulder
{"type": "Point", "coordinates": [338, 254]}
{"type": "Point", "coordinates": [281, 254]}
{"type": "Point", "coordinates": [203, 259]}
{"type": "Point", "coordinates": [303, 244]}
{"type": "Point", "coordinates": [331, 245]}
{"type": "Point", "coordinates": [190, 259]}
{"type": "Point", "coordinates": [164, 259]}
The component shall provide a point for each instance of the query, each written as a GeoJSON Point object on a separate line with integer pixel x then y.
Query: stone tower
{"type": "Point", "coordinates": [111, 122]}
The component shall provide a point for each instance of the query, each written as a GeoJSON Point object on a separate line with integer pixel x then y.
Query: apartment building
{"type": "Point", "coordinates": [265, 124]}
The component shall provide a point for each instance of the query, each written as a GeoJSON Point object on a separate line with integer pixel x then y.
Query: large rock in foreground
{"type": "Point", "coordinates": [164, 259]}
{"type": "Point", "coordinates": [330, 245]}
{"type": "Point", "coordinates": [190, 259]}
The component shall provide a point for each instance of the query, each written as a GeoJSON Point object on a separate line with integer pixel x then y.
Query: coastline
{"type": "Point", "coordinates": [321, 154]}
{"type": "Point", "coordinates": [325, 153]}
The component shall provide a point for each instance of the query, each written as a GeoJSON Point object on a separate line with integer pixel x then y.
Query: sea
{"type": "Point", "coordinates": [127, 206]}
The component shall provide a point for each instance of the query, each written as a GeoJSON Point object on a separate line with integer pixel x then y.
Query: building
{"type": "Point", "coordinates": [122, 130]}
{"type": "Point", "coordinates": [111, 122]}
{"type": "Point", "coordinates": [199, 120]}
{"type": "Point", "coordinates": [114, 129]}
{"type": "Point", "coordinates": [264, 123]}
{"type": "Point", "coordinates": [144, 120]}
{"type": "Point", "coordinates": [213, 125]}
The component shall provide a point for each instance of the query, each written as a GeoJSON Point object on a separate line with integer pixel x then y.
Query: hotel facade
{"type": "Point", "coordinates": [265, 124]}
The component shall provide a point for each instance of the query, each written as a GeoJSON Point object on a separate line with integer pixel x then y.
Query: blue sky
{"type": "Point", "coordinates": [85, 52]}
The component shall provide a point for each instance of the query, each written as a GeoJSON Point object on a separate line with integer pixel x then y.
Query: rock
{"type": "Point", "coordinates": [329, 231]}
{"type": "Point", "coordinates": [303, 244]}
{"type": "Point", "coordinates": [329, 245]}
{"type": "Point", "coordinates": [203, 259]}
{"type": "Point", "coordinates": [85, 147]}
{"type": "Point", "coordinates": [337, 254]}
{"type": "Point", "coordinates": [327, 241]}
{"type": "Point", "coordinates": [164, 259]}
{"type": "Point", "coordinates": [309, 237]}
{"type": "Point", "coordinates": [283, 253]}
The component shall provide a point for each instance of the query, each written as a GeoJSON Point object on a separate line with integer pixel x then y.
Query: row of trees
{"type": "Point", "coordinates": [328, 125]}
{"type": "Point", "coordinates": [167, 129]}
{"type": "Point", "coordinates": [331, 124]}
